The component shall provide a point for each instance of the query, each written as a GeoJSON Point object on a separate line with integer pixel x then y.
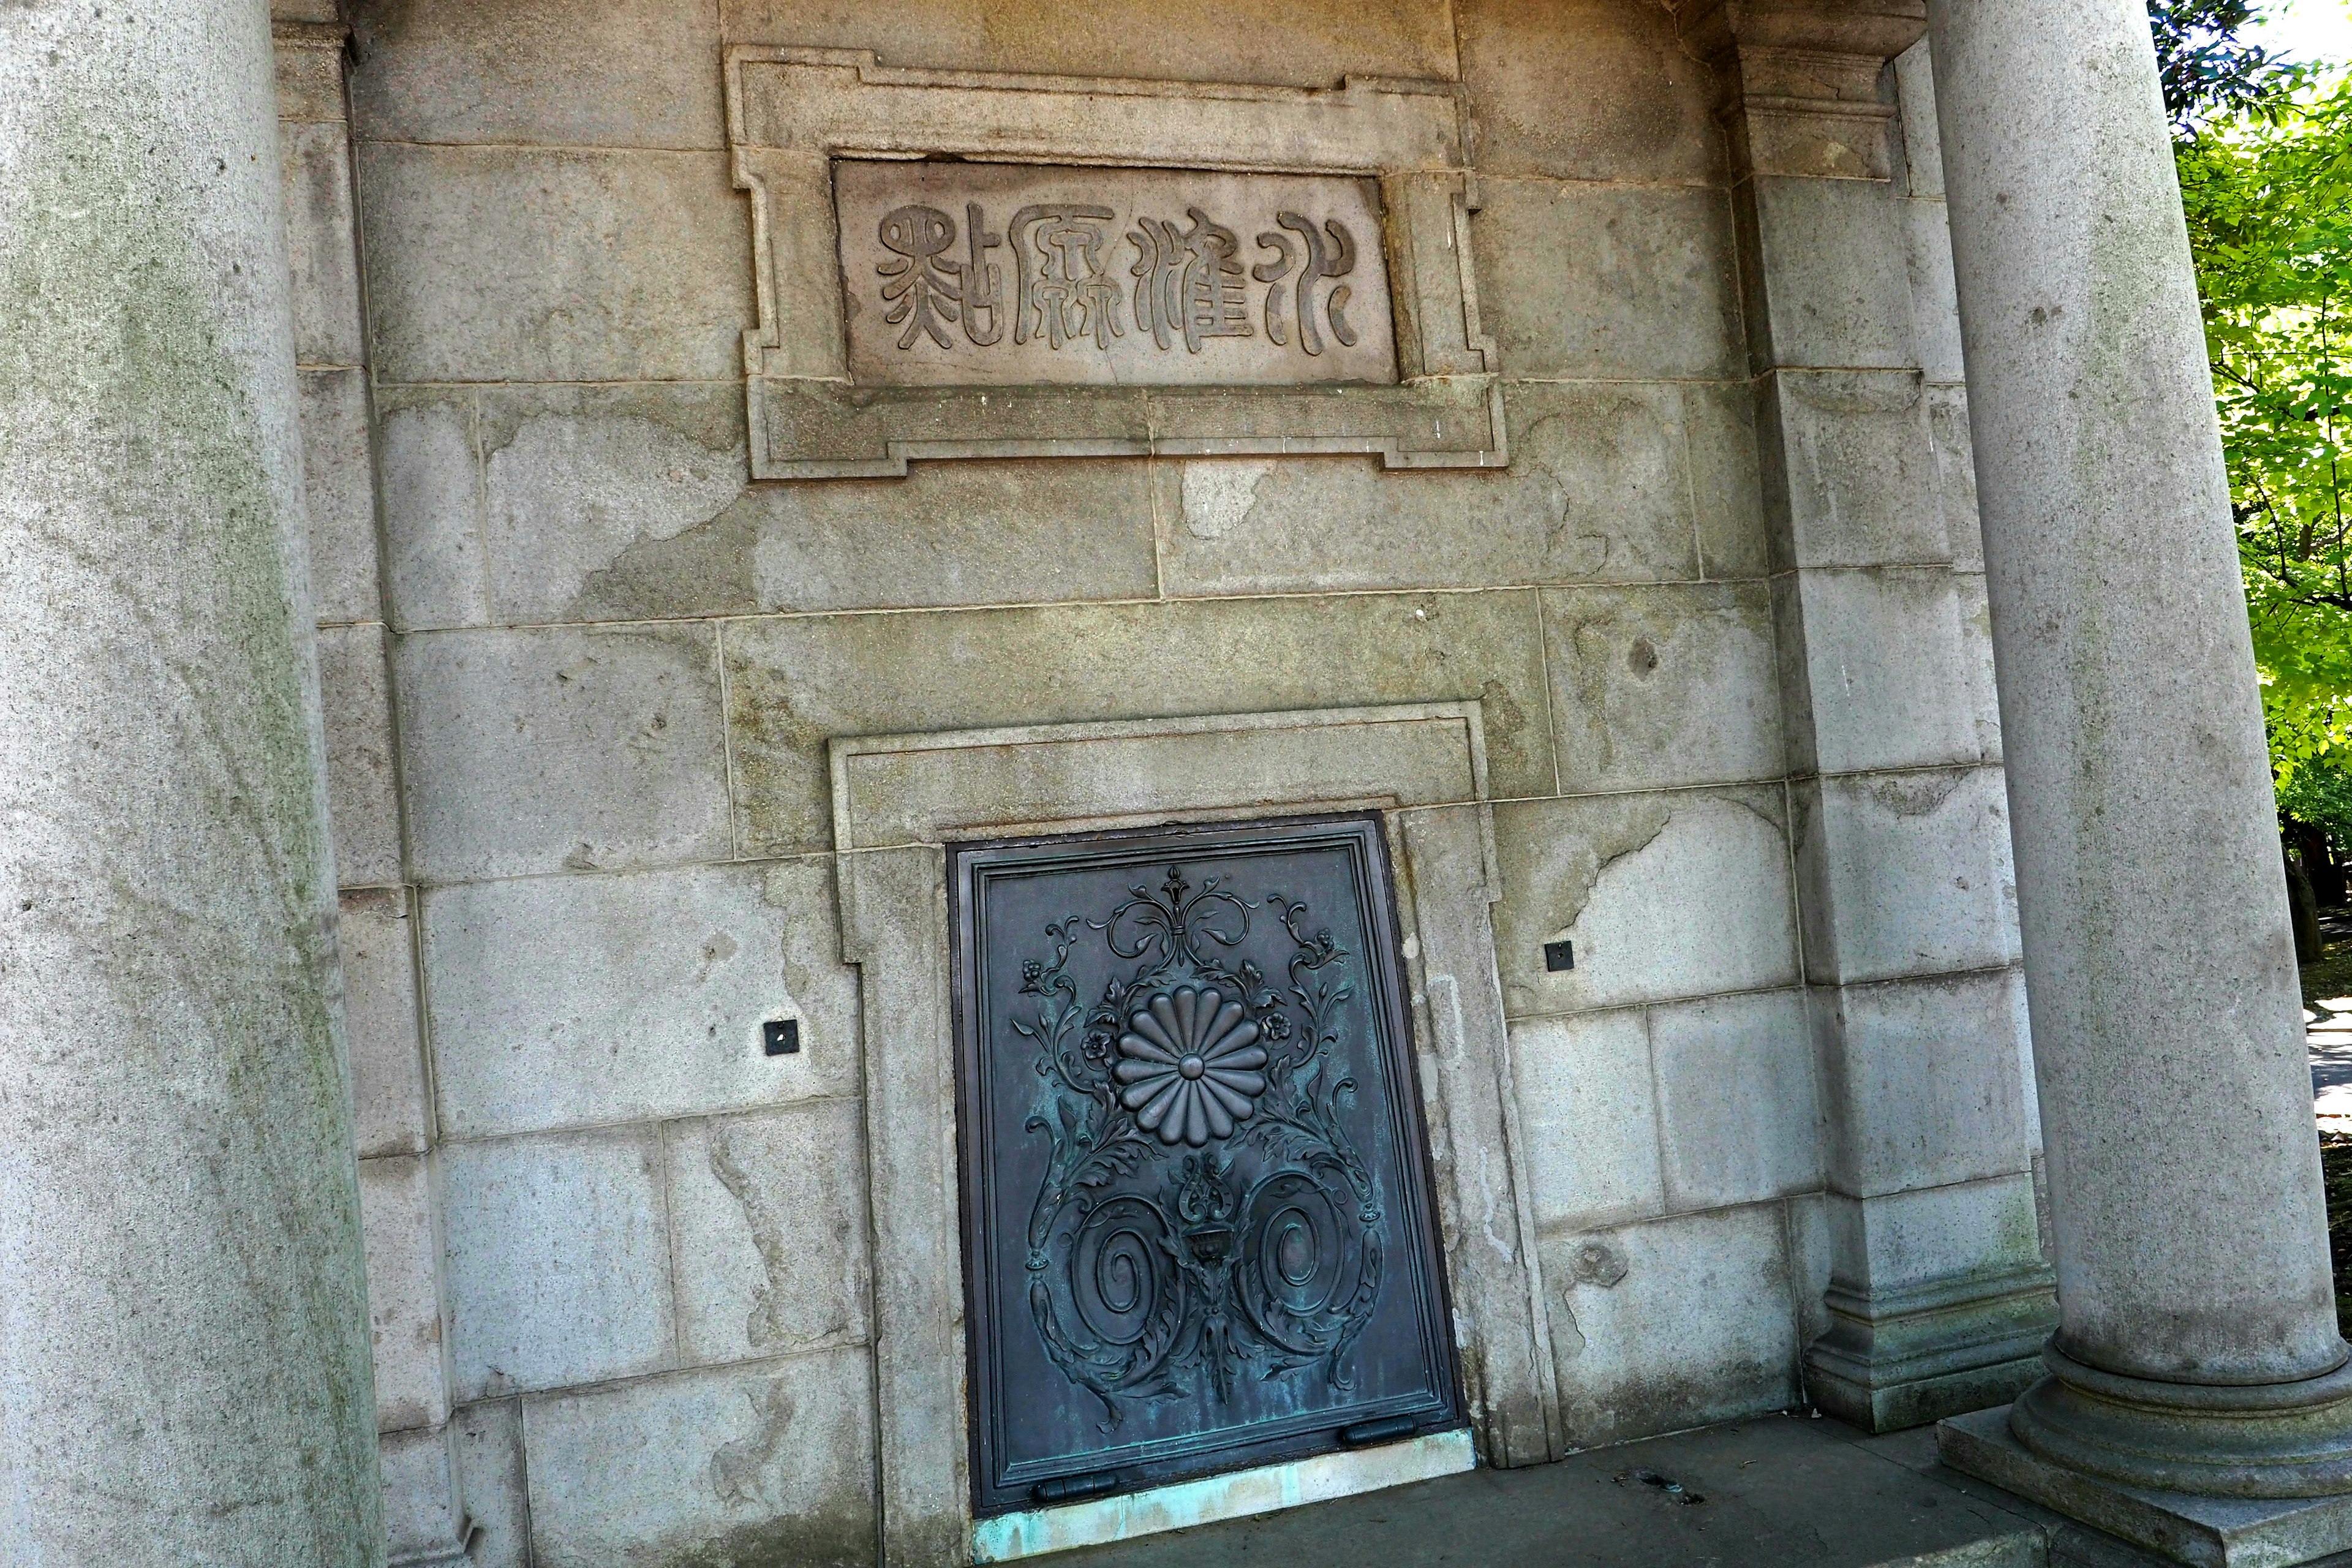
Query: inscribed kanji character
{"type": "Point", "coordinates": [983, 281]}
{"type": "Point", "coordinates": [921, 290]}
{"type": "Point", "coordinates": [1064, 292]}
{"type": "Point", "coordinates": [1323, 262]}
{"type": "Point", "coordinates": [1192, 280]}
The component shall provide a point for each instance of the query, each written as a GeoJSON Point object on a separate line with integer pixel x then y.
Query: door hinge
{"type": "Point", "coordinates": [1367, 1432]}
{"type": "Point", "coordinates": [1062, 1488]}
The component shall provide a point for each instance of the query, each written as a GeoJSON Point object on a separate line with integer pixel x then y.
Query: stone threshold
{"type": "Point", "coordinates": [1787, 1490]}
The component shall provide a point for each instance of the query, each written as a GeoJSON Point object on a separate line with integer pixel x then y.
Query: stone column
{"type": "Point", "coordinates": [1937, 1295]}
{"type": "Point", "coordinates": [2197, 1350]}
{"type": "Point", "coordinates": [184, 1358]}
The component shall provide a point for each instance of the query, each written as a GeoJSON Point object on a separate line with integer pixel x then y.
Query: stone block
{"type": "Point", "coordinates": [1735, 539]}
{"type": "Point", "coordinates": [1896, 1240]}
{"type": "Point", "coordinates": [582, 1001]}
{"type": "Point", "coordinates": [1955, 474]}
{"type": "Point", "coordinates": [397, 1213]}
{"type": "Point", "coordinates": [932, 789]}
{"type": "Point", "coordinates": [1834, 279]}
{"type": "Point", "coordinates": [1481, 1153]}
{"type": "Point", "coordinates": [1904, 874]}
{"type": "Point", "coordinates": [1935, 295]}
{"type": "Point", "coordinates": [310, 70]}
{"type": "Point", "coordinates": [1698, 1326]}
{"type": "Point", "coordinates": [338, 487]}
{"type": "Point", "coordinates": [1595, 89]}
{"type": "Point", "coordinates": [488, 1443]}
{"type": "Point", "coordinates": [1914, 96]}
{"type": "Point", "coordinates": [320, 226]}
{"type": "Point", "coordinates": [793, 683]}
{"type": "Point", "coordinates": [1662, 896]}
{"type": "Point", "coordinates": [558, 1260]}
{"type": "Point", "coordinates": [1600, 489]}
{"type": "Point", "coordinates": [1851, 469]}
{"type": "Point", "coordinates": [1314, 44]}
{"type": "Point", "coordinates": [635, 73]}
{"type": "Point", "coordinates": [554, 264]}
{"type": "Point", "coordinates": [1609, 282]}
{"type": "Point", "coordinates": [1876, 671]}
{"type": "Point", "coordinates": [1663, 685]}
{"type": "Point", "coordinates": [390, 1113]}
{"type": "Point", "coordinates": [769, 1232]}
{"type": "Point", "coordinates": [1737, 1114]}
{"type": "Point", "coordinates": [1589, 1112]}
{"type": "Point", "coordinates": [766, 1463]}
{"type": "Point", "coordinates": [424, 1503]}
{"type": "Point", "coordinates": [564, 749]}
{"type": "Point", "coordinates": [1812, 1255]}
{"type": "Point", "coordinates": [433, 561]}
{"type": "Point", "coordinates": [624, 503]}
{"type": "Point", "coordinates": [572, 476]}
{"type": "Point", "coordinates": [362, 792]}
{"type": "Point", "coordinates": [977, 783]}
{"type": "Point", "coordinates": [895, 927]}
{"type": "Point", "coordinates": [1922, 1081]}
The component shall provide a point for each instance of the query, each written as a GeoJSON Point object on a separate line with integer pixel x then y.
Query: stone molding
{"type": "Point", "coordinates": [1799, 80]}
{"type": "Point", "coordinates": [790, 112]}
{"type": "Point", "coordinates": [1899, 1358]}
{"type": "Point", "coordinates": [898, 800]}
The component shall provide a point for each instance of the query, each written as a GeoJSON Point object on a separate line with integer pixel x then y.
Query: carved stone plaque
{"type": "Point", "coordinates": [1138, 264]}
{"type": "Point", "coordinates": [1196, 1194]}
{"type": "Point", "coordinates": [964, 273]}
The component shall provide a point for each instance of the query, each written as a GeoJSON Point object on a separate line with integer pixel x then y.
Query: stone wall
{"type": "Point", "coordinates": [580, 674]}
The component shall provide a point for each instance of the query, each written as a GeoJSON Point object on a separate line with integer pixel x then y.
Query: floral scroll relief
{"type": "Point", "coordinates": [1205, 1213]}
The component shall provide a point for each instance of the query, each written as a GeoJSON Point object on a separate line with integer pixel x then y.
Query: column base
{"type": "Point", "coordinates": [2230, 1440]}
{"type": "Point", "coordinates": [2181, 1527]}
{"type": "Point", "coordinates": [1903, 1358]}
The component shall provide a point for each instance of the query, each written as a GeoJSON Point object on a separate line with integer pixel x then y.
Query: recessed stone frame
{"type": "Point", "coordinates": [792, 111]}
{"type": "Point", "coordinates": [900, 800]}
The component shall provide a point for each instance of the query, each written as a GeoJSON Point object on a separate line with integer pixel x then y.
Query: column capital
{"type": "Point", "coordinates": [1798, 80]}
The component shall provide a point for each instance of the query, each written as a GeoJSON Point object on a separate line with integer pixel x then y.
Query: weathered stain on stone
{"type": "Point", "coordinates": [1596, 854]}
{"type": "Point", "coordinates": [828, 1538]}
{"type": "Point", "coordinates": [948, 535]}
{"type": "Point", "coordinates": [1916, 794]}
{"type": "Point", "coordinates": [765, 1326]}
{"type": "Point", "coordinates": [1219, 495]}
{"type": "Point", "coordinates": [736, 1467]}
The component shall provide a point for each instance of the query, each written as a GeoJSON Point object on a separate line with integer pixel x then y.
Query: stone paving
{"type": "Point", "coordinates": [1777, 1491]}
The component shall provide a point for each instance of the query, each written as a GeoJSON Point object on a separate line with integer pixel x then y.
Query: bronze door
{"type": "Point", "coordinates": [1197, 1221]}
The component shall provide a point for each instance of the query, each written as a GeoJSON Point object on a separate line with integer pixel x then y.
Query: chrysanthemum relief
{"type": "Point", "coordinates": [1190, 1067]}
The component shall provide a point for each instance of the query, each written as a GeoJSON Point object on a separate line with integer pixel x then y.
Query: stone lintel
{"type": "Point", "coordinates": [1880, 30]}
{"type": "Point", "coordinates": [2204, 1532]}
{"type": "Point", "coordinates": [1895, 1359]}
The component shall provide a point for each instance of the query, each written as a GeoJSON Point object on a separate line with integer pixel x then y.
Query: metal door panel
{"type": "Point", "coordinates": [1197, 1221]}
